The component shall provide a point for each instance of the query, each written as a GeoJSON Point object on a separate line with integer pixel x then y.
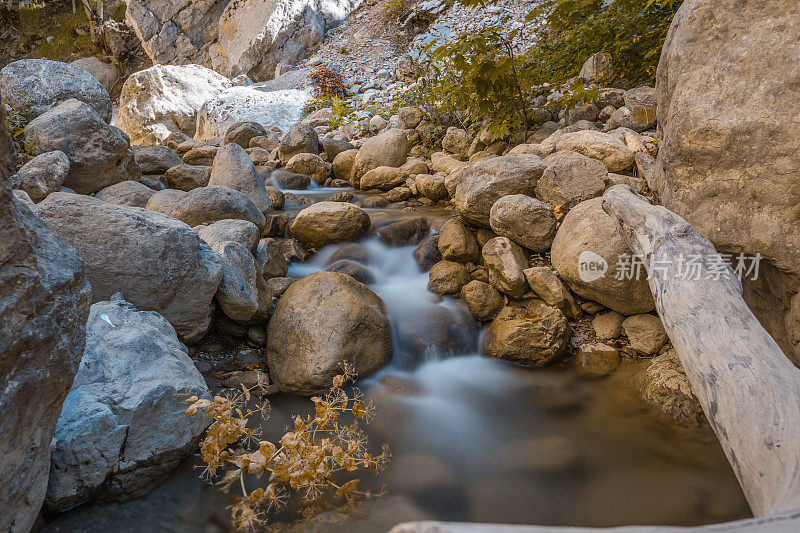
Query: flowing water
{"type": "Point", "coordinates": [475, 439]}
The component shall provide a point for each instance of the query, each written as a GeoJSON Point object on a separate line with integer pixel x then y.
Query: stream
{"type": "Point", "coordinates": [475, 439]}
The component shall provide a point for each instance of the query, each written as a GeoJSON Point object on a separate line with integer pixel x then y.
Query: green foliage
{"type": "Point", "coordinates": [632, 31]}
{"type": "Point", "coordinates": [16, 128]}
{"type": "Point", "coordinates": [337, 105]}
{"type": "Point", "coordinates": [577, 94]}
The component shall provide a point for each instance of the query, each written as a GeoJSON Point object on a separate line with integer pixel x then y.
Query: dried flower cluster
{"type": "Point", "coordinates": [311, 461]}
{"type": "Point", "coordinates": [327, 83]}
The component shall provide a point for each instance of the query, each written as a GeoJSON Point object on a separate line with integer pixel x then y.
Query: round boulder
{"type": "Point", "coordinates": [388, 149]}
{"type": "Point", "coordinates": [525, 220]}
{"type": "Point", "coordinates": [329, 222]}
{"type": "Point", "coordinates": [588, 252]}
{"type": "Point", "coordinates": [322, 322]}
{"type": "Point", "coordinates": [530, 333]}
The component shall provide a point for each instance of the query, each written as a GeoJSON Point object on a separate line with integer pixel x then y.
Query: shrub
{"type": "Point", "coordinates": [312, 462]}
{"type": "Point", "coordinates": [327, 83]}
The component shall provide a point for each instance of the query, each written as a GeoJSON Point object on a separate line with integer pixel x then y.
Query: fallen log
{"type": "Point", "coordinates": [748, 388]}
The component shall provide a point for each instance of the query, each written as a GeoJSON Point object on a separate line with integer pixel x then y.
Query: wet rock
{"type": "Point", "coordinates": [645, 333]}
{"type": "Point", "coordinates": [586, 253]}
{"type": "Point", "coordinates": [505, 263]}
{"type": "Point", "coordinates": [447, 277]}
{"type": "Point", "coordinates": [596, 360]}
{"type": "Point", "coordinates": [482, 300]}
{"type": "Point", "coordinates": [157, 262]}
{"type": "Point", "coordinates": [383, 178]}
{"type": "Point", "coordinates": [130, 193]}
{"type": "Point", "coordinates": [114, 439]}
{"type": "Point", "coordinates": [486, 182]}
{"type": "Point", "coordinates": [99, 154]}
{"type": "Point", "coordinates": [302, 354]}
{"type": "Point", "coordinates": [187, 177]}
{"type": "Point", "coordinates": [302, 139]}
{"type": "Point", "coordinates": [387, 149]}
{"type": "Point", "coordinates": [233, 168]}
{"type": "Point", "coordinates": [526, 221]}
{"type": "Point", "coordinates": [164, 99]}
{"type": "Point", "coordinates": [286, 179]}
{"type": "Point", "coordinates": [44, 302]}
{"type": "Point", "coordinates": [352, 269]}
{"type": "Point", "coordinates": [328, 223]}
{"type": "Point", "coordinates": [571, 178]}
{"type": "Point", "coordinates": [44, 174]}
{"type": "Point", "coordinates": [241, 231]}
{"type": "Point", "coordinates": [354, 252]}
{"type": "Point", "coordinates": [665, 386]}
{"type": "Point", "coordinates": [427, 253]}
{"type": "Point", "coordinates": [529, 333]}
{"type": "Point", "coordinates": [155, 159]}
{"type": "Point", "coordinates": [311, 165]}
{"type": "Point", "coordinates": [540, 455]}
{"type": "Point", "coordinates": [405, 232]}
{"type": "Point", "coordinates": [608, 326]}
{"type": "Point", "coordinates": [34, 86]}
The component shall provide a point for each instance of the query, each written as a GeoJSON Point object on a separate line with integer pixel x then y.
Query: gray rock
{"type": "Point", "coordinates": [242, 133]}
{"type": "Point", "coordinates": [526, 221]}
{"type": "Point", "coordinates": [240, 231]}
{"type": "Point", "coordinates": [108, 74]}
{"type": "Point", "coordinates": [34, 86]}
{"type": "Point", "coordinates": [233, 168]}
{"type": "Point", "coordinates": [130, 193]}
{"type": "Point", "coordinates": [209, 204]}
{"type": "Point", "coordinates": [270, 259]}
{"type": "Point", "coordinates": [505, 263]}
{"type": "Point", "coordinates": [44, 174]}
{"type": "Point", "coordinates": [164, 201]}
{"type": "Point", "coordinates": [486, 182]}
{"type": "Point", "coordinates": [124, 427]}
{"type": "Point", "coordinates": [99, 154]}
{"type": "Point", "coordinates": [570, 178]}
{"type": "Point", "coordinates": [302, 139]}
{"type": "Point", "coordinates": [302, 353]}
{"type": "Point", "coordinates": [287, 179]}
{"type": "Point", "coordinates": [237, 294]}
{"type": "Point", "coordinates": [44, 302]}
{"type": "Point", "coordinates": [155, 159]}
{"type": "Point", "coordinates": [157, 262]}
{"type": "Point", "coordinates": [187, 177]}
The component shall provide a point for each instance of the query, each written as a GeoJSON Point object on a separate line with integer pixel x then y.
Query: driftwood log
{"type": "Point", "coordinates": [748, 388]}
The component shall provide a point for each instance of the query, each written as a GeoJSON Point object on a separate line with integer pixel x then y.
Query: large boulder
{"type": "Point", "coordinates": [33, 86]}
{"type": "Point", "coordinates": [485, 183]}
{"type": "Point", "coordinates": [505, 263]}
{"type": "Point", "coordinates": [233, 168]}
{"type": "Point", "coordinates": [237, 294]}
{"type": "Point", "coordinates": [157, 262]}
{"type": "Point", "coordinates": [729, 114]}
{"type": "Point", "coordinates": [328, 223]}
{"type": "Point", "coordinates": [165, 99]}
{"type": "Point", "coordinates": [387, 149]}
{"type": "Point", "coordinates": [156, 159]}
{"type": "Point", "coordinates": [281, 109]}
{"type": "Point", "coordinates": [178, 31]}
{"type": "Point", "coordinates": [258, 34]}
{"type": "Point", "coordinates": [124, 427]}
{"type": "Point", "coordinates": [528, 332]}
{"type": "Point", "coordinates": [302, 139]}
{"type": "Point", "coordinates": [99, 155]}
{"type": "Point", "coordinates": [614, 154]}
{"type": "Point", "coordinates": [108, 74]}
{"type": "Point", "coordinates": [130, 193]}
{"type": "Point", "coordinates": [322, 322]}
{"type": "Point", "coordinates": [592, 258]}
{"type": "Point", "coordinates": [571, 178]}
{"type": "Point", "coordinates": [44, 302]}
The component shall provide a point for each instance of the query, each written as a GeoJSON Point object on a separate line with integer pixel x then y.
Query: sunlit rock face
{"type": "Point", "coordinates": [256, 35]}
